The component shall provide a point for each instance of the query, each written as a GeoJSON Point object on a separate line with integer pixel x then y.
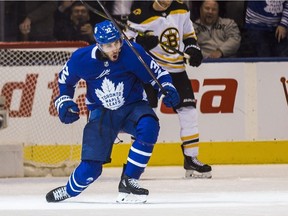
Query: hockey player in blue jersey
{"type": "Point", "coordinates": [114, 77]}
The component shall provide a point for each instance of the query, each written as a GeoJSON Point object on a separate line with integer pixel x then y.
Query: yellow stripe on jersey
{"type": "Point", "coordinates": [168, 62]}
{"type": "Point", "coordinates": [192, 34]}
{"type": "Point", "coordinates": [167, 65]}
{"type": "Point", "coordinates": [151, 19]}
{"type": "Point", "coordinates": [179, 11]}
{"type": "Point", "coordinates": [172, 59]}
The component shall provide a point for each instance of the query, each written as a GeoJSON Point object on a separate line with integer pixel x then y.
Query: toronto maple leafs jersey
{"type": "Point", "coordinates": [267, 15]}
{"type": "Point", "coordinates": [172, 26]}
{"type": "Point", "coordinates": [110, 84]}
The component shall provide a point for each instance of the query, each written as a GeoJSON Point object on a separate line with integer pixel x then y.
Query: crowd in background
{"type": "Point", "coordinates": [240, 28]}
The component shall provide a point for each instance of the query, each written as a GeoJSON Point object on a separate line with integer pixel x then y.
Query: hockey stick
{"type": "Point", "coordinates": [132, 48]}
{"type": "Point", "coordinates": [141, 33]}
{"type": "Point", "coordinates": [283, 80]}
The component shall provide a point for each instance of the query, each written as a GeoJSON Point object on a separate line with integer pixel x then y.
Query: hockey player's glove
{"type": "Point", "coordinates": [147, 41]}
{"type": "Point", "coordinates": [171, 98]}
{"type": "Point", "coordinates": [194, 51]}
{"type": "Point", "coordinates": [195, 54]}
{"type": "Point", "coordinates": [67, 109]}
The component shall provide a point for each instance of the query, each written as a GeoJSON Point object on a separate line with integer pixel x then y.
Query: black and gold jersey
{"type": "Point", "coordinates": [171, 26]}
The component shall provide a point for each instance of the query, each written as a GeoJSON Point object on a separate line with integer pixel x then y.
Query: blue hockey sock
{"type": "Point", "coordinates": [141, 150]}
{"type": "Point", "coordinates": [138, 158]}
{"type": "Point", "coordinates": [86, 173]}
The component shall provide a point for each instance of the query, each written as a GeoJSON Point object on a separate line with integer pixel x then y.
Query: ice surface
{"type": "Point", "coordinates": [234, 190]}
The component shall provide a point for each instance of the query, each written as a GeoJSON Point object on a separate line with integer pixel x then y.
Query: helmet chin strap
{"type": "Point", "coordinates": [101, 55]}
{"type": "Point", "coordinates": [164, 8]}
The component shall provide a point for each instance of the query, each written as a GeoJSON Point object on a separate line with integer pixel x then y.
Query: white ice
{"type": "Point", "coordinates": [234, 190]}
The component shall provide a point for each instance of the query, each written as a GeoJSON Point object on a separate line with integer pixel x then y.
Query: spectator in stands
{"type": "Point", "coordinates": [217, 37]}
{"type": "Point", "coordinates": [11, 20]}
{"type": "Point", "coordinates": [235, 10]}
{"type": "Point", "coordinates": [64, 7]}
{"type": "Point", "coordinates": [72, 23]}
{"type": "Point", "coordinates": [38, 21]}
{"type": "Point", "coordinates": [195, 5]}
{"type": "Point", "coordinates": [119, 9]}
{"type": "Point", "coordinates": [266, 25]}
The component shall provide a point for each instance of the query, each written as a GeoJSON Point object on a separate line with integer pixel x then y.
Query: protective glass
{"type": "Point", "coordinates": [110, 47]}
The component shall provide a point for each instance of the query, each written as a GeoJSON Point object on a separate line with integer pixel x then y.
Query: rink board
{"type": "Point", "coordinates": [165, 154]}
{"type": "Point", "coordinates": [242, 107]}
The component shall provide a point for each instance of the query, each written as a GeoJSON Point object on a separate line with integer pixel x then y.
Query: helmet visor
{"type": "Point", "coordinates": [110, 47]}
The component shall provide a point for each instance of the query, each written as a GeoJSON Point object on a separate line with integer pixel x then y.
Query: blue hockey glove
{"type": "Point", "coordinates": [171, 99]}
{"type": "Point", "coordinates": [196, 56]}
{"type": "Point", "coordinates": [67, 109]}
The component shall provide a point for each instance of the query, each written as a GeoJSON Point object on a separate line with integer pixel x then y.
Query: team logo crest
{"type": "Point", "coordinates": [170, 37]}
{"type": "Point", "coordinates": [137, 11]}
{"type": "Point", "coordinates": [111, 97]}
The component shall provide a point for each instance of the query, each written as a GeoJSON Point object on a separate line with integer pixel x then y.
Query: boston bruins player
{"type": "Point", "coordinates": [168, 22]}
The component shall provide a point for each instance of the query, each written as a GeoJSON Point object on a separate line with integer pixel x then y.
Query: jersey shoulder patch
{"type": "Point", "coordinates": [141, 11]}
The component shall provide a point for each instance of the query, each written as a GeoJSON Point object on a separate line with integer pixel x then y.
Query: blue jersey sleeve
{"type": "Point", "coordinates": [68, 77]}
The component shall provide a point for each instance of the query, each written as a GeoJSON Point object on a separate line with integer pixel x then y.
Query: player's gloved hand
{"type": "Point", "coordinates": [171, 99]}
{"type": "Point", "coordinates": [67, 109]}
{"type": "Point", "coordinates": [147, 41]}
{"type": "Point", "coordinates": [195, 54]}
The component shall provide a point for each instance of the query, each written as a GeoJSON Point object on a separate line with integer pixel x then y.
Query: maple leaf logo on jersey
{"type": "Point", "coordinates": [111, 97]}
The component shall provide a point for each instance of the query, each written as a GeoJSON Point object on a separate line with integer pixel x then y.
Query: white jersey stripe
{"type": "Point", "coordinates": [136, 163]}
{"type": "Point", "coordinates": [140, 152]}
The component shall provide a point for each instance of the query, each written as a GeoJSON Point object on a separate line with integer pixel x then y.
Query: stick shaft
{"type": "Point", "coordinates": [132, 48]}
{"type": "Point", "coordinates": [283, 80]}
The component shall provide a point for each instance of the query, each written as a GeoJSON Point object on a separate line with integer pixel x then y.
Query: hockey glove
{"type": "Point", "coordinates": [67, 109]}
{"type": "Point", "coordinates": [171, 98]}
{"type": "Point", "coordinates": [147, 41]}
{"type": "Point", "coordinates": [195, 55]}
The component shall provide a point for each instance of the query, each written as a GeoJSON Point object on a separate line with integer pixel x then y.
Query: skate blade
{"type": "Point", "coordinates": [131, 198]}
{"type": "Point", "coordinates": [192, 174]}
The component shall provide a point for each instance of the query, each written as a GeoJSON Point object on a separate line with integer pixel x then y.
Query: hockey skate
{"type": "Point", "coordinates": [130, 191]}
{"type": "Point", "coordinates": [195, 169]}
{"type": "Point", "coordinates": [57, 195]}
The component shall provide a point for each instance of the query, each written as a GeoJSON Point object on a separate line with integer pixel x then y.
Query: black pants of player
{"type": "Point", "coordinates": [183, 86]}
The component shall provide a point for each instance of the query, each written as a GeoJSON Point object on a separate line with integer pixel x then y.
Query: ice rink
{"type": "Point", "coordinates": [234, 190]}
